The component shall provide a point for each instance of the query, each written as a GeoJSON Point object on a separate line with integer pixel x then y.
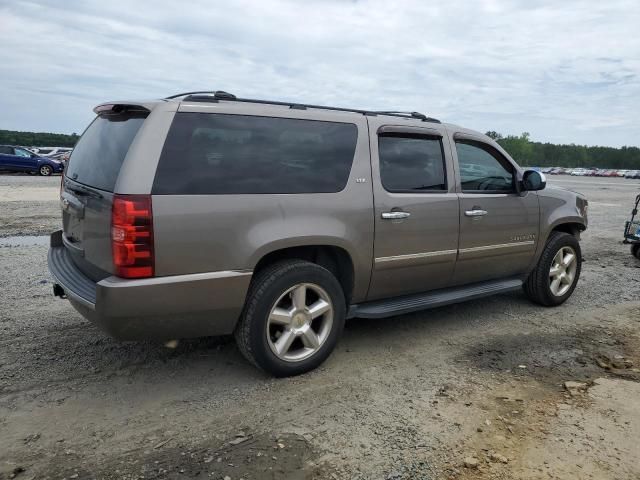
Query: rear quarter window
{"type": "Point", "coordinates": [98, 156]}
{"type": "Point", "coordinates": [239, 154]}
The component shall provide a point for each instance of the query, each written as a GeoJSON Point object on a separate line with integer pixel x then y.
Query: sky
{"type": "Point", "coordinates": [565, 71]}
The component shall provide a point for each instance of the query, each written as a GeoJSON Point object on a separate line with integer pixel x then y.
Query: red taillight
{"type": "Point", "coordinates": [132, 236]}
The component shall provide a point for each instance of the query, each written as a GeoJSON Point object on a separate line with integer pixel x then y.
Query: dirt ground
{"type": "Point", "coordinates": [470, 391]}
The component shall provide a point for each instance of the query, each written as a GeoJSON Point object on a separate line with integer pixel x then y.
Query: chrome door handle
{"type": "Point", "coordinates": [475, 213]}
{"type": "Point", "coordinates": [395, 215]}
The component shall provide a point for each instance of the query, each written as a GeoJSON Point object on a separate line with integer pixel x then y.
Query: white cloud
{"type": "Point", "coordinates": [566, 72]}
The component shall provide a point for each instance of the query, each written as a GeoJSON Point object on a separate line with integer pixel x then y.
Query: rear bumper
{"type": "Point", "coordinates": [161, 308]}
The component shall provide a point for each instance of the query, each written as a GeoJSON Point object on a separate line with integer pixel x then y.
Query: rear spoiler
{"type": "Point", "coordinates": [115, 108]}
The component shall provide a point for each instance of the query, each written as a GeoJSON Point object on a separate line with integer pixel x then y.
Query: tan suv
{"type": "Point", "coordinates": [206, 214]}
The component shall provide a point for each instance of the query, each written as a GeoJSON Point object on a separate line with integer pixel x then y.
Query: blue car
{"type": "Point", "coordinates": [16, 159]}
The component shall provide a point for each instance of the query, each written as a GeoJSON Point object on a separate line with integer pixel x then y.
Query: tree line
{"type": "Point", "coordinates": [538, 154]}
{"type": "Point", "coordinates": [37, 139]}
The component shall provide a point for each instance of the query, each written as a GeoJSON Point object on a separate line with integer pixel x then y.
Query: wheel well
{"type": "Point", "coordinates": [571, 228]}
{"type": "Point", "coordinates": [334, 259]}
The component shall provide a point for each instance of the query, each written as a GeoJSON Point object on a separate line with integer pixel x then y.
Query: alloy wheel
{"type": "Point", "coordinates": [563, 271]}
{"type": "Point", "coordinates": [299, 322]}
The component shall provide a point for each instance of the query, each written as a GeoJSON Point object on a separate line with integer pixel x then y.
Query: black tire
{"type": "Point", "coordinates": [266, 288]}
{"type": "Point", "coordinates": [635, 250]}
{"type": "Point", "coordinates": [45, 170]}
{"type": "Point", "coordinates": [537, 287]}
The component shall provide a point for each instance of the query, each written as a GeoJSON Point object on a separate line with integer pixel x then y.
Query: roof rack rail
{"type": "Point", "coordinates": [221, 95]}
{"type": "Point", "coordinates": [218, 94]}
{"type": "Point", "coordinates": [418, 115]}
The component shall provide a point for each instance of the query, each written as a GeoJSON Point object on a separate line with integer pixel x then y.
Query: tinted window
{"type": "Point", "coordinates": [6, 150]}
{"type": "Point", "coordinates": [483, 169]}
{"type": "Point", "coordinates": [225, 154]}
{"type": "Point", "coordinates": [98, 156]}
{"type": "Point", "coordinates": [411, 163]}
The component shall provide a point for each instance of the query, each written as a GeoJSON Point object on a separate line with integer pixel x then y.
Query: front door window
{"type": "Point", "coordinates": [483, 169]}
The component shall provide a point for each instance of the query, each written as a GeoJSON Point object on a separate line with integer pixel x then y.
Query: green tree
{"type": "Point", "coordinates": [529, 153]}
{"type": "Point", "coordinates": [37, 139]}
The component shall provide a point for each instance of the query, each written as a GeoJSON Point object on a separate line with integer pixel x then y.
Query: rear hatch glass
{"type": "Point", "coordinates": [99, 154]}
{"type": "Point", "coordinates": [87, 190]}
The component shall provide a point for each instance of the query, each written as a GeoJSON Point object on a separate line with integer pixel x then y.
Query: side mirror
{"type": "Point", "coordinates": [532, 180]}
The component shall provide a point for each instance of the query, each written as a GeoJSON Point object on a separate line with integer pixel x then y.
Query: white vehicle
{"type": "Point", "coordinates": [49, 151]}
{"type": "Point", "coordinates": [580, 172]}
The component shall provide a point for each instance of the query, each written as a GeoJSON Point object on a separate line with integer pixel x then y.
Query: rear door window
{"type": "Point", "coordinates": [411, 163]}
{"type": "Point", "coordinates": [239, 154]}
{"type": "Point", "coordinates": [98, 156]}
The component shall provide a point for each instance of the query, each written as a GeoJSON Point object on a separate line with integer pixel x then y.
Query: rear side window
{"type": "Point", "coordinates": [411, 163]}
{"type": "Point", "coordinates": [237, 154]}
{"type": "Point", "coordinates": [98, 156]}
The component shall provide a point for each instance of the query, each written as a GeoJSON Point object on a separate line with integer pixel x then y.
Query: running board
{"type": "Point", "coordinates": [437, 298]}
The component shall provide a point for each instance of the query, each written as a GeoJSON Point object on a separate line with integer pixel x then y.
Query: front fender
{"type": "Point", "coordinates": [55, 166]}
{"type": "Point", "coordinates": [559, 208]}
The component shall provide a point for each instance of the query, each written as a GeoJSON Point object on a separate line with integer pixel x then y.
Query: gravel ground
{"type": "Point", "coordinates": [475, 390]}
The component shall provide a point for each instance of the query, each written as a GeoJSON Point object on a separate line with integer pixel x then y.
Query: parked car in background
{"type": "Point", "coordinates": [17, 159]}
{"type": "Point", "coordinates": [62, 156]}
{"type": "Point", "coordinates": [579, 172]}
{"type": "Point", "coordinates": [49, 151]}
{"type": "Point", "coordinates": [632, 174]}
{"type": "Point", "coordinates": [474, 170]}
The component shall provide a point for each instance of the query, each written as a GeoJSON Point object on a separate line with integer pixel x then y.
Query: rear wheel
{"type": "Point", "coordinates": [635, 250]}
{"type": "Point", "coordinates": [45, 170]}
{"type": "Point", "coordinates": [555, 277]}
{"type": "Point", "coordinates": [293, 317]}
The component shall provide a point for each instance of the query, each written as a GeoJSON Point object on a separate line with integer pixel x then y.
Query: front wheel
{"type": "Point", "coordinates": [45, 170]}
{"type": "Point", "coordinates": [292, 319]}
{"type": "Point", "coordinates": [635, 250]}
{"type": "Point", "coordinates": [555, 277]}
